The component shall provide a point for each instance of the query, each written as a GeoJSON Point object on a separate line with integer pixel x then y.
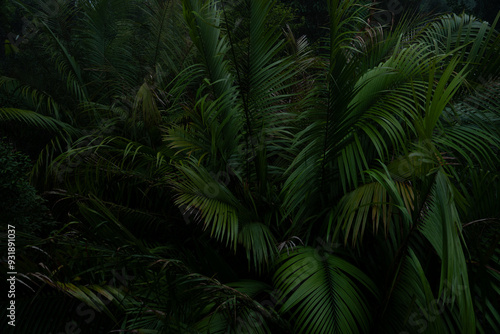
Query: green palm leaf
{"type": "Point", "coordinates": [323, 292]}
{"type": "Point", "coordinates": [443, 230]}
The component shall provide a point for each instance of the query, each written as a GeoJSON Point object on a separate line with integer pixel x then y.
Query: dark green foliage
{"type": "Point", "coordinates": [311, 18]}
{"type": "Point", "coordinates": [247, 182]}
{"type": "Point", "coordinates": [20, 204]}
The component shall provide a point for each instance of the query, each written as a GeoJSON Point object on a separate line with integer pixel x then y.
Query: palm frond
{"type": "Point", "coordinates": [442, 228]}
{"type": "Point", "coordinates": [35, 119]}
{"type": "Point", "coordinates": [323, 292]}
{"type": "Point", "coordinates": [367, 205]}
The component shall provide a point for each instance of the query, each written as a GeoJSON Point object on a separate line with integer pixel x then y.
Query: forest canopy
{"type": "Point", "coordinates": [250, 166]}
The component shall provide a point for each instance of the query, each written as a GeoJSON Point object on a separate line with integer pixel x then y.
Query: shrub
{"type": "Point", "coordinates": [20, 205]}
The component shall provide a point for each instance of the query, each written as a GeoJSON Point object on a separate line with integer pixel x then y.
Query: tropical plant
{"type": "Point", "coordinates": [259, 187]}
{"type": "Point", "coordinates": [21, 206]}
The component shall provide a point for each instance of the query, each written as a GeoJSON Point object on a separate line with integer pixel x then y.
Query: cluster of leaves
{"type": "Point", "coordinates": [251, 184]}
{"type": "Point", "coordinates": [20, 204]}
